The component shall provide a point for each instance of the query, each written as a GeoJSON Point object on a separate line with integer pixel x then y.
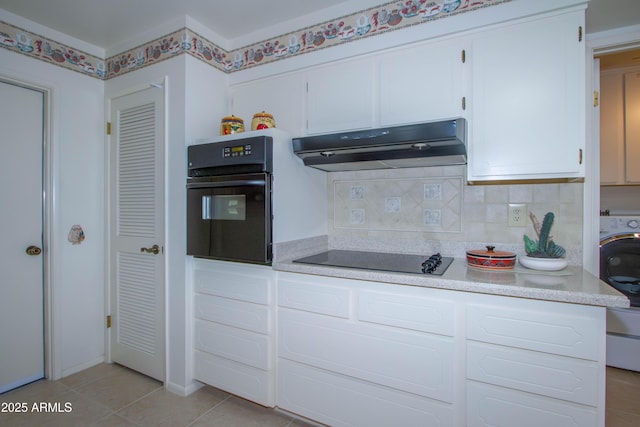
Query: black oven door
{"type": "Point", "coordinates": [229, 218]}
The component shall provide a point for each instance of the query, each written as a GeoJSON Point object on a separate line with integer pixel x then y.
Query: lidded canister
{"type": "Point", "coordinates": [262, 120]}
{"type": "Point", "coordinates": [231, 124]}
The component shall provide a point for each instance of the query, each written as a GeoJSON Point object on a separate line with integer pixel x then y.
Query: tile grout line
{"type": "Point", "coordinates": [209, 410]}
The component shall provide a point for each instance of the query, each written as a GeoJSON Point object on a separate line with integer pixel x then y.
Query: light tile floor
{"type": "Point", "coordinates": [114, 396]}
{"type": "Point", "coordinates": [623, 398]}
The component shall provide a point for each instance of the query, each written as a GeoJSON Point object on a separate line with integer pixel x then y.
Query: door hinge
{"type": "Point", "coordinates": [463, 56]}
{"type": "Point", "coordinates": [596, 99]}
{"type": "Point", "coordinates": [108, 321]}
{"type": "Point", "coordinates": [108, 128]}
{"type": "Point", "coordinates": [580, 33]}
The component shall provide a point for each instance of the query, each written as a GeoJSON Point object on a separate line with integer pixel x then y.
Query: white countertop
{"type": "Point", "coordinates": [571, 285]}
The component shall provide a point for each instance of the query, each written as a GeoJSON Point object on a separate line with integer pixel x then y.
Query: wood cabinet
{"type": "Point", "coordinates": [233, 329]}
{"type": "Point", "coordinates": [528, 100]}
{"type": "Point", "coordinates": [612, 128]}
{"type": "Point", "coordinates": [361, 353]}
{"type": "Point", "coordinates": [620, 127]}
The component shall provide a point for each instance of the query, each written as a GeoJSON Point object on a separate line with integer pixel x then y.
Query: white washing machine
{"type": "Point", "coordinates": [620, 268]}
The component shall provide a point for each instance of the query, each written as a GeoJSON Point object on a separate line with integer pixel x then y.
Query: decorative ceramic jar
{"type": "Point", "coordinates": [491, 259]}
{"type": "Point", "coordinates": [262, 120]}
{"type": "Point", "coordinates": [231, 124]}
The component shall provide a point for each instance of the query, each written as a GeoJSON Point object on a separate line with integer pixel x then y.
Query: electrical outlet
{"type": "Point", "coordinates": [517, 215]}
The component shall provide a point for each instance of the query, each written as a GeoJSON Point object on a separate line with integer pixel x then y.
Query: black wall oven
{"type": "Point", "coordinates": [229, 203]}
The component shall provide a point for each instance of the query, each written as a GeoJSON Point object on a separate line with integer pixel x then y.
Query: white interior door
{"type": "Point", "coordinates": [21, 226]}
{"type": "Point", "coordinates": [137, 232]}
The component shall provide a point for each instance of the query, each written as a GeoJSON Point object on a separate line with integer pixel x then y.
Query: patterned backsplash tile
{"type": "Point", "coordinates": [412, 204]}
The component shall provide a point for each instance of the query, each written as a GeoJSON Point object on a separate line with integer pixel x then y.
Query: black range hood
{"type": "Point", "coordinates": [440, 143]}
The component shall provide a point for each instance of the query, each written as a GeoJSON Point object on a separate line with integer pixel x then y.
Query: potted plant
{"type": "Point", "coordinates": [544, 253]}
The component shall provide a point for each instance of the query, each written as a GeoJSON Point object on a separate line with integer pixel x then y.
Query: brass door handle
{"type": "Point", "coordinates": [155, 249]}
{"type": "Point", "coordinates": [33, 250]}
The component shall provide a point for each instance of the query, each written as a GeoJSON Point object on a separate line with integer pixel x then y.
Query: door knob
{"type": "Point", "coordinates": [33, 250]}
{"type": "Point", "coordinates": [155, 249]}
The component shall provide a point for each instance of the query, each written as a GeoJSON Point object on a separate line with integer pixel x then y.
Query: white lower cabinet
{"type": "Point", "coordinates": [559, 377]}
{"type": "Point", "coordinates": [488, 405]}
{"type": "Point", "coordinates": [357, 353]}
{"type": "Point", "coordinates": [340, 400]}
{"type": "Point", "coordinates": [352, 353]}
{"type": "Point", "coordinates": [234, 329]}
{"type": "Point", "coordinates": [405, 360]}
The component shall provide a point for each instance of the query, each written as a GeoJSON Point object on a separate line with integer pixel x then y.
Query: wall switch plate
{"type": "Point", "coordinates": [517, 215]}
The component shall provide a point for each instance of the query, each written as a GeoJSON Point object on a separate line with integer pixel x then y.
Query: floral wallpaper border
{"type": "Point", "coordinates": [380, 19]}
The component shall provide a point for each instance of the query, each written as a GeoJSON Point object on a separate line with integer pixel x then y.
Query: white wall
{"type": "Point", "coordinates": [77, 147]}
{"type": "Point", "coordinates": [196, 100]}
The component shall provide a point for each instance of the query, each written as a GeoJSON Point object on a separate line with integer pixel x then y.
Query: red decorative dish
{"type": "Point", "coordinates": [491, 259]}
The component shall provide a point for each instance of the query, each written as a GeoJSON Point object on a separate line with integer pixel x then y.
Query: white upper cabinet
{"type": "Point", "coordinates": [528, 102]}
{"type": "Point", "coordinates": [423, 83]}
{"type": "Point", "coordinates": [340, 97]}
{"type": "Point", "coordinates": [280, 96]}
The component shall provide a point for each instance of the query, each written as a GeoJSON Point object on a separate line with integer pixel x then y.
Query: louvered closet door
{"type": "Point", "coordinates": [136, 228]}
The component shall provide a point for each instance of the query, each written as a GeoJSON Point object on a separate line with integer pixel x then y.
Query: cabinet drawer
{"type": "Point", "coordinates": [338, 400]}
{"type": "Point", "coordinates": [253, 317]}
{"type": "Point", "coordinates": [243, 282]}
{"type": "Point", "coordinates": [501, 407]}
{"type": "Point", "coordinates": [421, 314]}
{"type": "Point", "coordinates": [245, 381]}
{"type": "Point", "coordinates": [411, 361]}
{"type": "Point", "coordinates": [560, 329]}
{"type": "Point", "coordinates": [316, 298]}
{"type": "Point", "coordinates": [235, 344]}
{"type": "Point", "coordinates": [555, 376]}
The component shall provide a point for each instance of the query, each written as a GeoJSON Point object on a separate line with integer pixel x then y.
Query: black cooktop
{"type": "Point", "coordinates": [400, 263]}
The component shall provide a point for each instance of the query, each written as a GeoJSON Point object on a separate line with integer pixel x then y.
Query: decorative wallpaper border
{"type": "Point", "coordinates": [31, 44]}
{"type": "Point", "coordinates": [378, 20]}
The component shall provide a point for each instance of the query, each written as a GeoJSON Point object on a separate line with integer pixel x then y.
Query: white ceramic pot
{"type": "Point", "coordinates": [546, 264]}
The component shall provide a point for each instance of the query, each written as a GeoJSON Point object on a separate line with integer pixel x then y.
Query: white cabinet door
{"type": "Point", "coordinates": [502, 407]}
{"type": "Point", "coordinates": [423, 83]}
{"type": "Point", "coordinates": [340, 97]}
{"type": "Point", "coordinates": [233, 335]}
{"type": "Point", "coordinates": [529, 100]}
{"type": "Point", "coordinates": [414, 362]}
{"type": "Point", "coordinates": [611, 129]}
{"type": "Point", "coordinates": [280, 96]}
{"type": "Point", "coordinates": [344, 401]}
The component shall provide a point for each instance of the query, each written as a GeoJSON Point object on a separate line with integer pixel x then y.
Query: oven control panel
{"type": "Point", "coordinates": [236, 151]}
{"type": "Point", "coordinates": [227, 157]}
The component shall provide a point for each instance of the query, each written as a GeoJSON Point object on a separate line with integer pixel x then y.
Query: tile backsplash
{"type": "Point", "coordinates": [404, 204]}
{"type": "Point", "coordinates": [432, 209]}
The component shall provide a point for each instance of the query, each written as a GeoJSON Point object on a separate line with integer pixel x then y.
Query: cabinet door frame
{"type": "Point", "coordinates": [530, 69]}
{"type": "Point", "coordinates": [343, 97]}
